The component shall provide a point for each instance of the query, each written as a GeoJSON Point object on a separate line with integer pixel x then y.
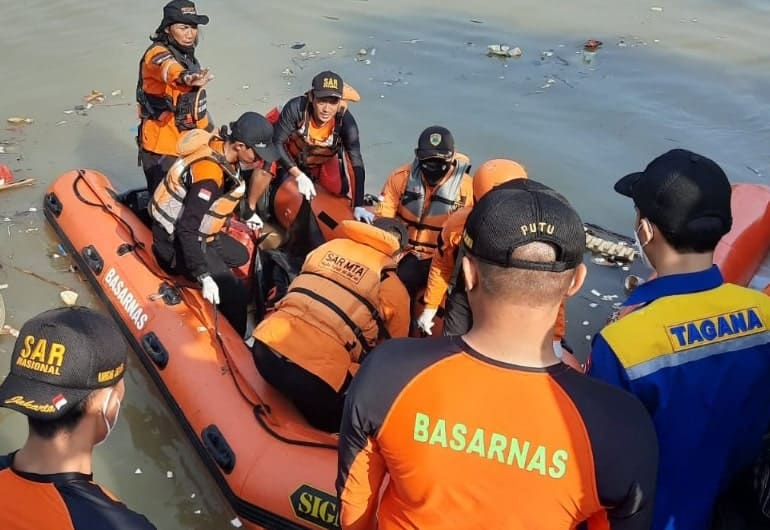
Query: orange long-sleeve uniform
{"type": "Point", "coordinates": [160, 72]}
{"type": "Point", "coordinates": [425, 208]}
{"type": "Point", "coordinates": [443, 264]}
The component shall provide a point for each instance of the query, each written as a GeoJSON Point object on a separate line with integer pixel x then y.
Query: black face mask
{"type": "Point", "coordinates": [433, 169]}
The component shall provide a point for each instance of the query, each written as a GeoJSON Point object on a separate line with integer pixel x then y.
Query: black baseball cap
{"type": "Point", "coordinates": [182, 12]}
{"type": "Point", "coordinates": [256, 131]}
{"type": "Point", "coordinates": [511, 216]}
{"type": "Point", "coordinates": [327, 84]}
{"type": "Point", "coordinates": [59, 358]}
{"type": "Point", "coordinates": [682, 193]}
{"type": "Point", "coordinates": [435, 142]}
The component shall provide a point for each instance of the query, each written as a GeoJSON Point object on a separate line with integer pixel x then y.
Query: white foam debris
{"type": "Point", "coordinates": [626, 268]}
{"type": "Point", "coordinates": [236, 522]}
{"type": "Point", "coordinates": [169, 474]}
{"type": "Point", "coordinates": [138, 471]}
{"type": "Point", "coordinates": [595, 292]}
{"type": "Point", "coordinates": [585, 322]}
{"type": "Point", "coordinates": [192, 495]}
{"type": "Point", "coordinates": [593, 304]}
{"type": "Point", "coordinates": [197, 512]}
{"type": "Point", "coordinates": [588, 338]}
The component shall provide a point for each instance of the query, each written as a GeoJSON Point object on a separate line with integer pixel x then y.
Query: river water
{"type": "Point", "coordinates": [669, 74]}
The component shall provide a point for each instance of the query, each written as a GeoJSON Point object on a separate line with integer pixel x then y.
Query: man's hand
{"type": "Point", "coordinates": [210, 289]}
{"type": "Point", "coordinates": [305, 186]}
{"type": "Point", "coordinates": [425, 320]}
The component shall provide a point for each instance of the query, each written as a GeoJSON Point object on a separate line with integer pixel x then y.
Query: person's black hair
{"type": "Point", "coordinates": [47, 429]}
{"type": "Point", "coordinates": [395, 227]}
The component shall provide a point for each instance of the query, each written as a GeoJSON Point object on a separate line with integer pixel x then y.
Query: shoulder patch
{"type": "Point", "coordinates": [161, 57]}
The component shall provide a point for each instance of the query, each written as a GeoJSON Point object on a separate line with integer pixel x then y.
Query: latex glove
{"type": "Point", "coordinates": [210, 289]}
{"type": "Point", "coordinates": [425, 320]}
{"type": "Point", "coordinates": [305, 186]}
{"type": "Point", "coordinates": [254, 222]}
{"type": "Point", "coordinates": [362, 214]}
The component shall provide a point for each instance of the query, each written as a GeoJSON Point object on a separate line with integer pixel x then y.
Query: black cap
{"type": "Point", "coordinates": [182, 12]}
{"type": "Point", "coordinates": [681, 192]}
{"type": "Point", "coordinates": [514, 215]}
{"type": "Point", "coordinates": [327, 84]}
{"type": "Point", "coordinates": [256, 131]}
{"type": "Point", "coordinates": [59, 358]}
{"type": "Point", "coordinates": [435, 142]}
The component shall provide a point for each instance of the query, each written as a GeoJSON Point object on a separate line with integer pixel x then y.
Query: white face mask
{"type": "Point", "coordinates": [640, 248]}
{"type": "Point", "coordinates": [104, 416]}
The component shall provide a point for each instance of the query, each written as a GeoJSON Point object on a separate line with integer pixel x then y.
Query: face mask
{"type": "Point", "coordinates": [104, 416]}
{"type": "Point", "coordinates": [640, 248]}
{"type": "Point", "coordinates": [433, 169]}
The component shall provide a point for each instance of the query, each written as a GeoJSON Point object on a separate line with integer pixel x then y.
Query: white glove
{"type": "Point", "coordinates": [210, 289]}
{"type": "Point", "coordinates": [254, 222]}
{"type": "Point", "coordinates": [425, 320]}
{"type": "Point", "coordinates": [305, 186]}
{"type": "Point", "coordinates": [362, 214]}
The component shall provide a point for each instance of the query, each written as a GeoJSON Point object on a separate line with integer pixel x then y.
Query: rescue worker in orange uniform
{"type": "Point", "coordinates": [170, 90]}
{"type": "Point", "coordinates": [319, 143]}
{"type": "Point", "coordinates": [423, 194]}
{"type": "Point", "coordinates": [346, 299]}
{"type": "Point", "coordinates": [192, 205]}
{"type": "Point", "coordinates": [445, 266]}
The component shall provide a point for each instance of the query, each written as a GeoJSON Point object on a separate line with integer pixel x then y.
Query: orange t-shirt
{"type": "Point", "coordinates": [470, 442]}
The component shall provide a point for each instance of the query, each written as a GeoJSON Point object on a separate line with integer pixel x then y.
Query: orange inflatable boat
{"type": "Point", "coordinates": [275, 470]}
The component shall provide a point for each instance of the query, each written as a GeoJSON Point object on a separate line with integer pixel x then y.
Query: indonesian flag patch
{"type": "Point", "coordinates": [205, 195]}
{"type": "Point", "coordinates": [59, 401]}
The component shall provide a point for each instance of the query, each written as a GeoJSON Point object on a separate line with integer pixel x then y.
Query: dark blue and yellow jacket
{"type": "Point", "coordinates": [696, 352]}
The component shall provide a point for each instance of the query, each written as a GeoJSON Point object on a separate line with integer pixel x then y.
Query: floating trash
{"type": "Point", "coordinates": [657, 9]}
{"type": "Point", "coordinates": [588, 338]}
{"type": "Point", "coordinates": [236, 522]}
{"type": "Point", "coordinates": [138, 471]}
{"type": "Point", "coordinates": [503, 50]}
{"type": "Point", "coordinates": [116, 93]}
{"type": "Point", "coordinates": [69, 297]}
{"type": "Point", "coordinates": [297, 45]}
{"type": "Point", "coordinates": [585, 322]}
{"type": "Point", "coordinates": [591, 45]}
{"type": "Point", "coordinates": [595, 292]}
{"type": "Point", "coordinates": [94, 97]}
{"type": "Point", "coordinates": [192, 495]}
{"type": "Point", "coordinates": [16, 120]}
{"type": "Point", "coordinates": [593, 304]}
{"type": "Point", "coordinates": [169, 474]}
{"type": "Point", "coordinates": [197, 512]}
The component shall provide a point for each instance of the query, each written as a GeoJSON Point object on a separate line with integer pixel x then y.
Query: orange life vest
{"type": "Point", "coordinates": [424, 209]}
{"type": "Point", "coordinates": [188, 104]}
{"type": "Point", "coordinates": [333, 304]}
{"type": "Point", "coordinates": [168, 200]}
{"type": "Point", "coordinates": [312, 147]}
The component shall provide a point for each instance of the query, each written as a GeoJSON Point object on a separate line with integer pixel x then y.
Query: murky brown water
{"type": "Point", "coordinates": [694, 74]}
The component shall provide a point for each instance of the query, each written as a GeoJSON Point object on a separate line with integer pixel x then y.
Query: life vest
{"type": "Point", "coordinates": [344, 276]}
{"type": "Point", "coordinates": [188, 107]}
{"type": "Point", "coordinates": [424, 209]}
{"type": "Point", "coordinates": [309, 151]}
{"type": "Point", "coordinates": [168, 200]}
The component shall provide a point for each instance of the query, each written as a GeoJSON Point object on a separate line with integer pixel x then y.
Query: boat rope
{"type": "Point", "coordinates": [261, 409]}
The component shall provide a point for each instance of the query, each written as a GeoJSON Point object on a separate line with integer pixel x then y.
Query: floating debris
{"type": "Point", "coordinates": [297, 45]}
{"type": "Point", "coordinates": [197, 512]}
{"type": "Point", "coordinates": [116, 93]}
{"type": "Point", "coordinates": [192, 495]}
{"type": "Point", "coordinates": [329, 17]}
{"type": "Point", "coordinates": [62, 122]}
{"type": "Point", "coordinates": [477, 21]}
{"type": "Point", "coordinates": [657, 9]}
{"type": "Point", "coordinates": [595, 292]}
{"type": "Point", "coordinates": [288, 72]}
{"type": "Point", "coordinates": [94, 97]}
{"type": "Point", "coordinates": [16, 120]}
{"type": "Point", "coordinates": [69, 297]}
{"type": "Point", "coordinates": [245, 87]}
{"type": "Point", "coordinates": [411, 41]}
{"type": "Point", "coordinates": [591, 45]}
{"type": "Point", "coordinates": [169, 474]}
{"type": "Point", "coordinates": [138, 471]}
{"type": "Point", "coordinates": [503, 50]}
{"type": "Point", "coordinates": [236, 522]}
{"type": "Point", "coordinates": [8, 330]}
{"type": "Point", "coordinates": [362, 51]}
{"type": "Point", "coordinates": [593, 304]}
{"type": "Point", "coordinates": [631, 282]}
{"type": "Point", "coordinates": [585, 322]}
